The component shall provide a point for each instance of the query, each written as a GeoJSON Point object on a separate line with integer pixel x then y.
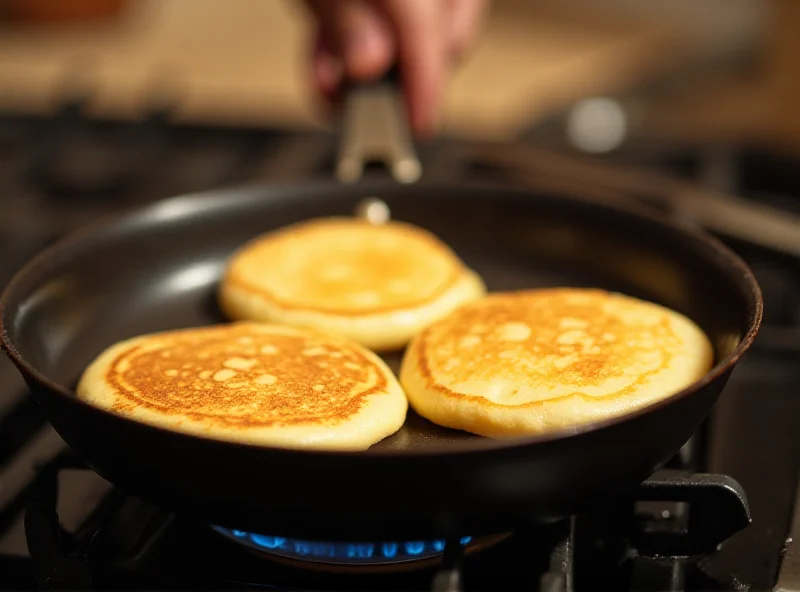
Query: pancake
{"type": "Point", "coordinates": [375, 284]}
{"type": "Point", "coordinates": [250, 383]}
{"type": "Point", "coordinates": [538, 361]}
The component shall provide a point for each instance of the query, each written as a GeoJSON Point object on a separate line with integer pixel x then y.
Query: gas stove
{"type": "Point", "coordinates": [723, 515]}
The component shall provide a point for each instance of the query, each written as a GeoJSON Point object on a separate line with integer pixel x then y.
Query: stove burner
{"type": "Point", "coordinates": [345, 554]}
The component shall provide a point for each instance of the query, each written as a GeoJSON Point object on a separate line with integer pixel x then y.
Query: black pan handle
{"type": "Point", "coordinates": [375, 129]}
{"type": "Point", "coordinates": [718, 510]}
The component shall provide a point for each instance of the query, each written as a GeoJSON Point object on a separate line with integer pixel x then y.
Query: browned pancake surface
{"type": "Point", "coordinates": [239, 375]}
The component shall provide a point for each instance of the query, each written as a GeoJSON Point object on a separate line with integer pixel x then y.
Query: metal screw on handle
{"type": "Point", "coordinates": [373, 210]}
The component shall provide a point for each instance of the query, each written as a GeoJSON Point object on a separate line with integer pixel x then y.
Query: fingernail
{"type": "Point", "coordinates": [359, 49]}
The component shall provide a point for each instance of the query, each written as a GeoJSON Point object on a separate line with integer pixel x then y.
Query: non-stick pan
{"type": "Point", "coordinates": [157, 268]}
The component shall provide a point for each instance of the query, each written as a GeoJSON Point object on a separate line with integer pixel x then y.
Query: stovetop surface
{"type": "Point", "coordinates": [57, 174]}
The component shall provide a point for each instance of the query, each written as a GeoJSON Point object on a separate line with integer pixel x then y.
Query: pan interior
{"type": "Point", "coordinates": [158, 268]}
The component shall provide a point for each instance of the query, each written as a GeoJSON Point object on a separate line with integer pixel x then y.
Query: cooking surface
{"type": "Point", "coordinates": [48, 189]}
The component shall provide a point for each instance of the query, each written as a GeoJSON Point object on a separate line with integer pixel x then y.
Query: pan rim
{"type": "Point", "coordinates": [193, 202]}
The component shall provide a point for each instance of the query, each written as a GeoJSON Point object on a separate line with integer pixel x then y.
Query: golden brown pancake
{"type": "Point", "coordinates": [375, 284]}
{"type": "Point", "coordinates": [251, 383]}
{"type": "Point", "coordinates": [532, 362]}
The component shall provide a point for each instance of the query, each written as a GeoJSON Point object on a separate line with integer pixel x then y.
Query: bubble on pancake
{"type": "Point", "coordinates": [514, 331]}
{"type": "Point", "coordinates": [240, 363]}
{"type": "Point", "coordinates": [573, 323]}
{"type": "Point", "coordinates": [315, 351]}
{"type": "Point", "coordinates": [266, 379]}
{"type": "Point", "coordinates": [470, 341]}
{"type": "Point", "coordinates": [223, 375]}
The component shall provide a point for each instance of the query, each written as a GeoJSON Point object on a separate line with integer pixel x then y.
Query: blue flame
{"type": "Point", "coordinates": [346, 553]}
{"type": "Point", "coordinates": [415, 548]}
{"type": "Point", "coordinates": [267, 542]}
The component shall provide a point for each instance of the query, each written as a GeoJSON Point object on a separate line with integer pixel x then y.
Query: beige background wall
{"type": "Point", "coordinates": [245, 61]}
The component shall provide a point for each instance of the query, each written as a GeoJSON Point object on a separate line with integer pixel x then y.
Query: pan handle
{"type": "Point", "coordinates": [375, 129]}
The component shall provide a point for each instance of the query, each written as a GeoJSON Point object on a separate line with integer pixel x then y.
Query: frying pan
{"type": "Point", "coordinates": [157, 267]}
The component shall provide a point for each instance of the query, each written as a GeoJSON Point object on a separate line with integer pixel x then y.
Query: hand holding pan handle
{"type": "Point", "coordinates": [375, 128]}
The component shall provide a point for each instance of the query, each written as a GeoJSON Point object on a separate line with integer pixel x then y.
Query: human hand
{"type": "Point", "coordinates": [359, 40]}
